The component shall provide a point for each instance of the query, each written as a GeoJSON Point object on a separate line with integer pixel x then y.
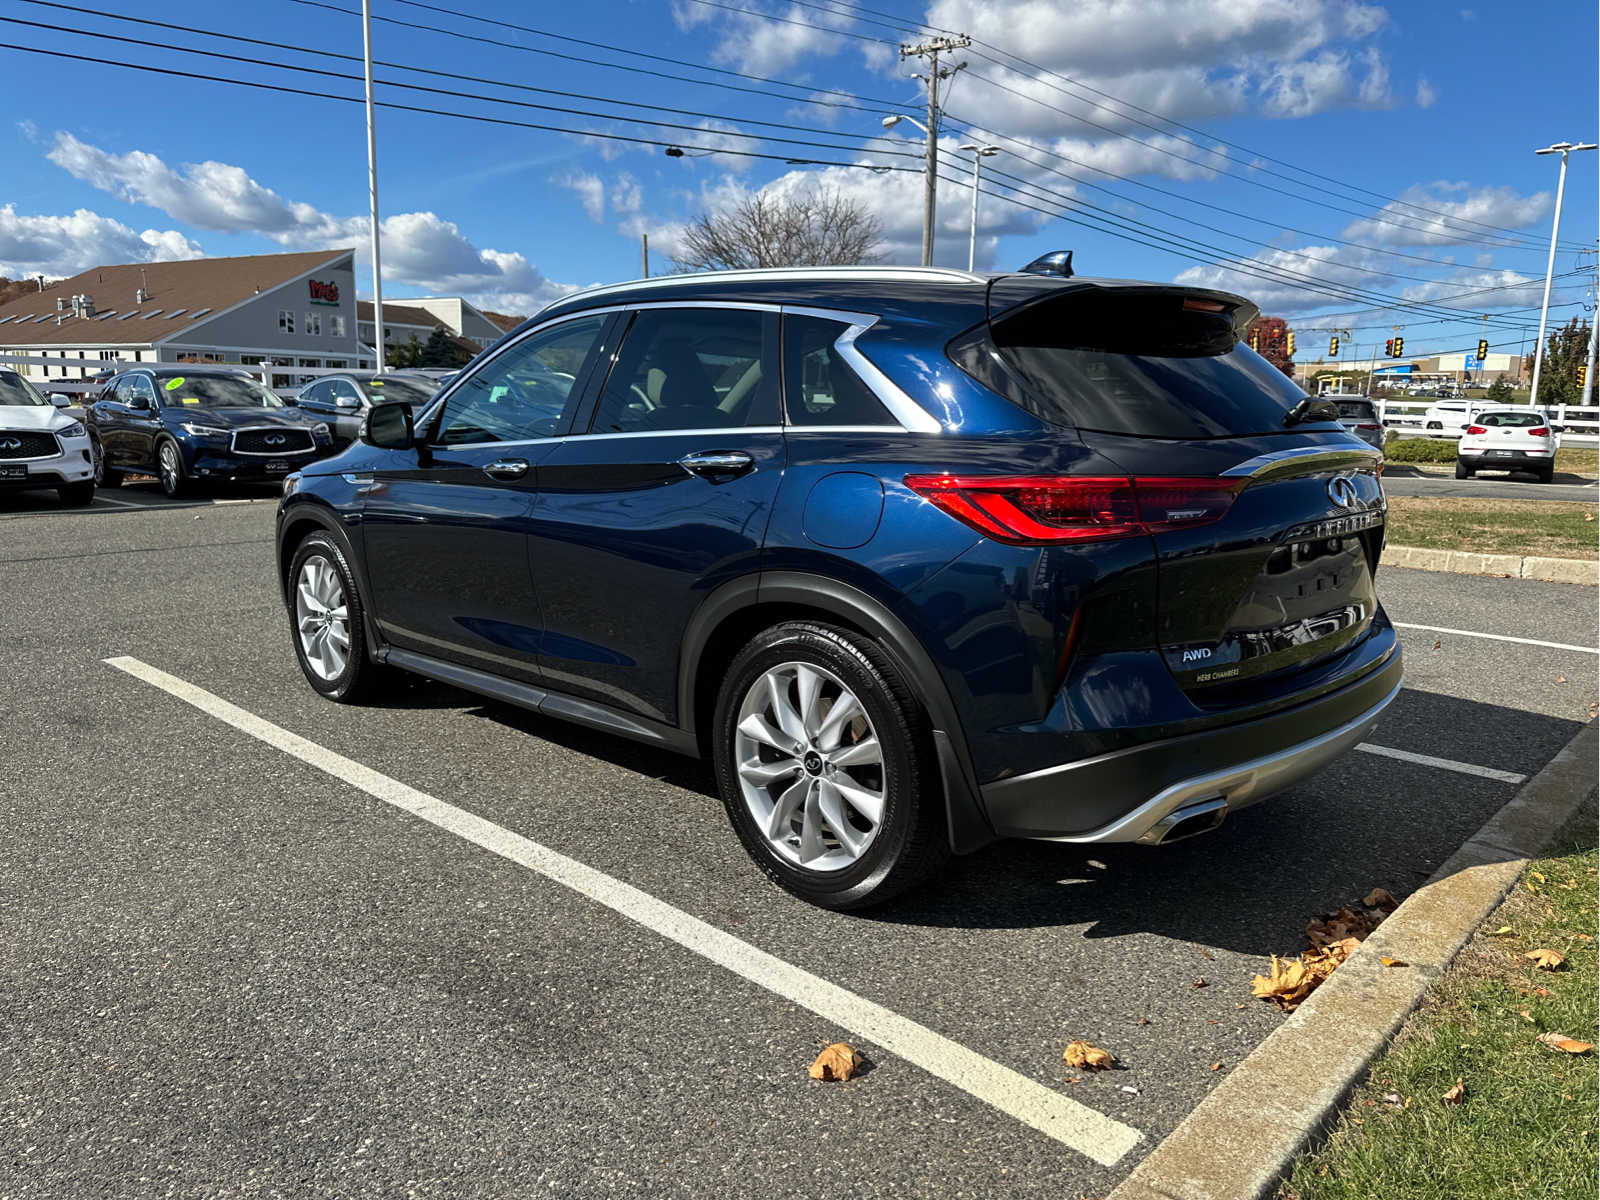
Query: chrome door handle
{"type": "Point", "coordinates": [709, 464]}
{"type": "Point", "coordinates": [507, 468]}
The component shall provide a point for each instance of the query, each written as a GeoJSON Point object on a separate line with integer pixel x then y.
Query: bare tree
{"type": "Point", "coordinates": [819, 228]}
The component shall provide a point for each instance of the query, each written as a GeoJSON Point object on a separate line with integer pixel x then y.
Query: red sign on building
{"type": "Point", "coordinates": [324, 293]}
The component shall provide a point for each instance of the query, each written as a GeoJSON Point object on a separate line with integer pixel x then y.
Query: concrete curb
{"type": "Point", "coordinates": [1241, 1140]}
{"type": "Point", "coordinates": [1465, 562]}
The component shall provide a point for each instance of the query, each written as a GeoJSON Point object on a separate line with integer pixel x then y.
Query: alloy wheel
{"type": "Point", "coordinates": [322, 618]}
{"type": "Point", "coordinates": [811, 770]}
{"type": "Point", "coordinates": [97, 457]}
{"type": "Point", "coordinates": [171, 471]}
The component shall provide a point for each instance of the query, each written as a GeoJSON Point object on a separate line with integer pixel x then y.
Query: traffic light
{"type": "Point", "coordinates": [1583, 374]}
{"type": "Point", "coordinates": [1483, 349]}
{"type": "Point", "coordinates": [1399, 347]}
{"type": "Point", "coordinates": [1291, 343]}
{"type": "Point", "coordinates": [1388, 348]}
{"type": "Point", "coordinates": [1333, 347]}
{"type": "Point", "coordinates": [1255, 341]}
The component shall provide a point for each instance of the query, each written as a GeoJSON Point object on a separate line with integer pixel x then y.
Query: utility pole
{"type": "Point", "coordinates": [1563, 149]}
{"type": "Point", "coordinates": [1594, 319]}
{"type": "Point", "coordinates": [372, 187]}
{"type": "Point", "coordinates": [644, 249]}
{"type": "Point", "coordinates": [931, 50]}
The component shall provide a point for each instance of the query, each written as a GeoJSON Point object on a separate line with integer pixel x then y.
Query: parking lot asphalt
{"type": "Point", "coordinates": [228, 972]}
{"type": "Point", "coordinates": [1400, 479]}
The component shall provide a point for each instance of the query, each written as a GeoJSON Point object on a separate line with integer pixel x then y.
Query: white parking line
{"type": "Point", "coordinates": [1498, 637]}
{"type": "Point", "coordinates": [1449, 764]}
{"type": "Point", "coordinates": [1075, 1125]}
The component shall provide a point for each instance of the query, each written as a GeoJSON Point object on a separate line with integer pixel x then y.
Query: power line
{"type": "Point", "coordinates": [417, 87]}
{"type": "Point", "coordinates": [480, 118]}
{"type": "Point", "coordinates": [840, 7]}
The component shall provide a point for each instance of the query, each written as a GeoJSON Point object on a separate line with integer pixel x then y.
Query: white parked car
{"type": "Point", "coordinates": [40, 446]}
{"type": "Point", "coordinates": [1508, 439]}
{"type": "Point", "coordinates": [1359, 416]}
{"type": "Point", "coordinates": [1447, 418]}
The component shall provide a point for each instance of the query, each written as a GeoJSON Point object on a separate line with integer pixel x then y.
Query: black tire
{"type": "Point", "coordinates": [1547, 474]}
{"type": "Point", "coordinates": [169, 473]}
{"type": "Point", "coordinates": [911, 843]}
{"type": "Point", "coordinates": [1462, 470]}
{"type": "Point", "coordinates": [77, 495]}
{"type": "Point", "coordinates": [361, 673]}
{"type": "Point", "coordinates": [104, 476]}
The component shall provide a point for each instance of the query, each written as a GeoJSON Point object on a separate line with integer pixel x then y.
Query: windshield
{"type": "Point", "coordinates": [215, 391]}
{"type": "Point", "coordinates": [1148, 364]}
{"type": "Point", "coordinates": [1357, 410]}
{"type": "Point", "coordinates": [14, 389]}
{"type": "Point", "coordinates": [415, 392]}
{"type": "Point", "coordinates": [1511, 420]}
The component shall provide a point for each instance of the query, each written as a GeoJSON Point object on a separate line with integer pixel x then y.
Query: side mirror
{"type": "Point", "coordinates": [388, 427]}
{"type": "Point", "coordinates": [346, 402]}
{"type": "Point", "coordinates": [139, 404]}
{"type": "Point", "coordinates": [61, 399]}
{"type": "Point", "coordinates": [291, 401]}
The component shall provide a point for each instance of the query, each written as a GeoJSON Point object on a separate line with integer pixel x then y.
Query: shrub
{"type": "Point", "coordinates": [1426, 450]}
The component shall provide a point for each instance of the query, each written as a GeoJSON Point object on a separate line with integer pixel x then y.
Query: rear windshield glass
{"type": "Point", "coordinates": [1511, 420]}
{"type": "Point", "coordinates": [1139, 364]}
{"type": "Point", "coordinates": [1354, 409]}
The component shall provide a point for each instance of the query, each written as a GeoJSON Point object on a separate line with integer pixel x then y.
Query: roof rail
{"type": "Point", "coordinates": [949, 274]}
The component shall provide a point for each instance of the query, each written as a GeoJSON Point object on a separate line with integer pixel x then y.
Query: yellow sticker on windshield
{"type": "Point", "coordinates": [190, 400]}
{"type": "Point", "coordinates": [174, 383]}
{"type": "Point", "coordinates": [374, 383]}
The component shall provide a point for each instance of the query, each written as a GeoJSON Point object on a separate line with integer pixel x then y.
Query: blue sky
{"type": "Point", "coordinates": [1380, 152]}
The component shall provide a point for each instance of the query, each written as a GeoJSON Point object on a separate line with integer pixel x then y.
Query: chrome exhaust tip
{"type": "Point", "coordinates": [1202, 816]}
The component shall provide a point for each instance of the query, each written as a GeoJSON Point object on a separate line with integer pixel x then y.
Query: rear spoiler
{"type": "Point", "coordinates": [1011, 296]}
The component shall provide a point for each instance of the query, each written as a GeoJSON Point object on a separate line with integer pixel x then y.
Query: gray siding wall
{"type": "Point", "coordinates": [254, 325]}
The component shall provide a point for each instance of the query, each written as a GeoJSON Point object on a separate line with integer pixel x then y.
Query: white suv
{"type": "Point", "coordinates": [1448, 418]}
{"type": "Point", "coordinates": [40, 446]}
{"type": "Point", "coordinates": [1508, 439]}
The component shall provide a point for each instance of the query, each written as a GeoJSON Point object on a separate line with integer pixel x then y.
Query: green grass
{"type": "Point", "coordinates": [1528, 1125]}
{"type": "Point", "coordinates": [1556, 528]}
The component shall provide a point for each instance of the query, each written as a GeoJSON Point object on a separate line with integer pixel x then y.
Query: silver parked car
{"type": "Point", "coordinates": [342, 400]}
{"type": "Point", "coordinates": [1360, 416]}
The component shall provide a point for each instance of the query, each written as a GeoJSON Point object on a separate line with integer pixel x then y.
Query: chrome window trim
{"type": "Point", "coordinates": [718, 431]}
{"type": "Point", "coordinates": [911, 416]}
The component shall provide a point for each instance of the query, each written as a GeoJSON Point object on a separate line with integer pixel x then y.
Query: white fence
{"type": "Point", "coordinates": [1579, 426]}
{"type": "Point", "coordinates": [78, 387]}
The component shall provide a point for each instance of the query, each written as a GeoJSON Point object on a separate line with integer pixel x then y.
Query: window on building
{"type": "Point", "coordinates": [108, 355]}
{"type": "Point", "coordinates": [313, 327]}
{"type": "Point", "coordinates": [249, 360]}
{"type": "Point", "coordinates": [336, 325]}
{"type": "Point", "coordinates": [285, 321]}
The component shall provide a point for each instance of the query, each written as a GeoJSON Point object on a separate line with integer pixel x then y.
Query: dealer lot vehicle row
{"type": "Point", "coordinates": [233, 966]}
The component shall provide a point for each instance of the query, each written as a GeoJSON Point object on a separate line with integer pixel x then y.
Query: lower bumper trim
{"type": "Point", "coordinates": [1234, 787]}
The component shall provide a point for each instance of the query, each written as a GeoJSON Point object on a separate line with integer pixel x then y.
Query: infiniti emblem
{"type": "Point", "coordinates": [10, 444]}
{"type": "Point", "coordinates": [274, 439]}
{"type": "Point", "coordinates": [1342, 491]}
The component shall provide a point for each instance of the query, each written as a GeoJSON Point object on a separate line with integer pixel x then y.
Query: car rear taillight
{"type": "Point", "coordinates": [1541, 431]}
{"type": "Point", "coordinates": [1477, 429]}
{"type": "Point", "coordinates": [1367, 425]}
{"type": "Point", "coordinates": [1038, 510]}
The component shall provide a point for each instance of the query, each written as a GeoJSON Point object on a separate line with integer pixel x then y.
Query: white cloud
{"type": "Point", "coordinates": [1426, 93]}
{"type": "Point", "coordinates": [64, 245]}
{"type": "Point", "coordinates": [1194, 58]}
{"type": "Point", "coordinates": [768, 41]}
{"type": "Point", "coordinates": [1398, 223]}
{"type": "Point", "coordinates": [591, 190]}
{"type": "Point", "coordinates": [626, 194]}
{"type": "Point", "coordinates": [420, 249]}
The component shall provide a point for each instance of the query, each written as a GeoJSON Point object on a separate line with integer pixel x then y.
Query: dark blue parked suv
{"type": "Point", "coordinates": [918, 558]}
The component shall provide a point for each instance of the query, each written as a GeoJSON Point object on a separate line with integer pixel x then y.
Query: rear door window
{"type": "Point", "coordinates": [692, 368]}
{"type": "Point", "coordinates": [820, 388]}
{"type": "Point", "coordinates": [1140, 363]}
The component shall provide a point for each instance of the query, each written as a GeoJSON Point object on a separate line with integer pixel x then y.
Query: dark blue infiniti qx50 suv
{"type": "Point", "coordinates": [919, 558]}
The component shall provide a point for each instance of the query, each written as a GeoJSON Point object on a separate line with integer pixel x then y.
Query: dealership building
{"type": "Point", "coordinates": [288, 309]}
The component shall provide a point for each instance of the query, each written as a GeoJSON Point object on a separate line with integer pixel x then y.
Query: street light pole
{"type": "Point", "coordinates": [372, 187]}
{"type": "Point", "coordinates": [1563, 149]}
{"type": "Point", "coordinates": [979, 153]}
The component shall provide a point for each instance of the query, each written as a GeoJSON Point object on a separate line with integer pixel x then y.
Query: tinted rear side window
{"type": "Point", "coordinates": [690, 368]}
{"type": "Point", "coordinates": [1140, 364]}
{"type": "Point", "coordinates": [820, 388]}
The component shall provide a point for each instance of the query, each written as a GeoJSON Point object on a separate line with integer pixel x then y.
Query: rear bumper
{"type": "Point", "coordinates": [1516, 460]}
{"type": "Point", "coordinates": [1203, 774]}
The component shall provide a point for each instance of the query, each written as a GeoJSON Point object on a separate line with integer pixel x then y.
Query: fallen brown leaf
{"type": "Point", "coordinates": [1286, 984]}
{"type": "Point", "coordinates": [1536, 874]}
{"type": "Point", "coordinates": [1201, 982]}
{"type": "Point", "coordinates": [1084, 1057]}
{"type": "Point", "coordinates": [836, 1063]}
{"type": "Point", "coordinates": [1562, 1042]}
{"type": "Point", "coordinates": [1380, 898]}
{"type": "Point", "coordinates": [1456, 1094]}
{"type": "Point", "coordinates": [1525, 1014]}
{"type": "Point", "coordinates": [1393, 1100]}
{"type": "Point", "coordinates": [1393, 962]}
{"type": "Point", "coordinates": [1561, 678]}
{"type": "Point", "coordinates": [1437, 644]}
{"type": "Point", "coordinates": [1216, 1066]}
{"type": "Point", "coordinates": [1501, 932]}
{"type": "Point", "coordinates": [1546, 960]}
